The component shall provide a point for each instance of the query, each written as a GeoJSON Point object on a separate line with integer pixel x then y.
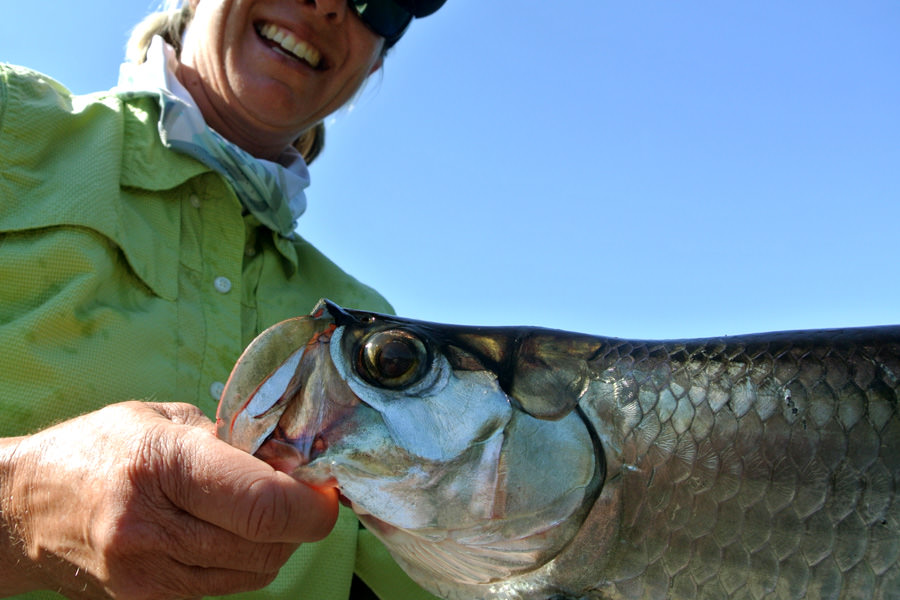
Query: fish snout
{"type": "Point", "coordinates": [264, 382]}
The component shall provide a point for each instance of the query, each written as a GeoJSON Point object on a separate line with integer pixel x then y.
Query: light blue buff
{"type": "Point", "coordinates": [271, 191]}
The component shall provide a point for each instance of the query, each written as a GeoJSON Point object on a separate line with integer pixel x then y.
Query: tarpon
{"type": "Point", "coordinates": [528, 463]}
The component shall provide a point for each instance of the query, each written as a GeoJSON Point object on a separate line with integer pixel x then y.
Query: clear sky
{"type": "Point", "coordinates": [647, 169]}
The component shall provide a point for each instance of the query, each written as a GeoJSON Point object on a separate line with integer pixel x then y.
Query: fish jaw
{"type": "Point", "coordinates": [266, 383]}
{"type": "Point", "coordinates": [317, 413]}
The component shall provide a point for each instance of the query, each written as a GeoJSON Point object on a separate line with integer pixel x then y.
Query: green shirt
{"type": "Point", "coordinates": [129, 271]}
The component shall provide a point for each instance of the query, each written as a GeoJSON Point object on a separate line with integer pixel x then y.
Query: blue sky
{"type": "Point", "coordinates": [639, 169]}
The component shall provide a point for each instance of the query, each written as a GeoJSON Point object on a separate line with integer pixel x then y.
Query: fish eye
{"type": "Point", "coordinates": [392, 359]}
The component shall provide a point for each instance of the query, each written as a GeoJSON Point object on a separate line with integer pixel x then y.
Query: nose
{"type": "Point", "coordinates": [335, 10]}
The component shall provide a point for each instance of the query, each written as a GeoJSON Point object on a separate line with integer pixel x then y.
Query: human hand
{"type": "Point", "coordinates": [141, 500]}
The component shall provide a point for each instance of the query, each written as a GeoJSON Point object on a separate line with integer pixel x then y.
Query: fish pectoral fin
{"type": "Point", "coordinates": [548, 390]}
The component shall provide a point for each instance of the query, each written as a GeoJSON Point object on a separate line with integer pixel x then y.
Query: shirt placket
{"type": "Point", "coordinates": [214, 230]}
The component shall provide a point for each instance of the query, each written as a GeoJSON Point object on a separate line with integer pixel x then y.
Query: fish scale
{"type": "Point", "coordinates": [796, 492]}
{"type": "Point", "coordinates": [756, 466]}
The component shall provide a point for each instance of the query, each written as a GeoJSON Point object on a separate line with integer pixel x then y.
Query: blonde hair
{"type": "Point", "coordinates": [170, 23]}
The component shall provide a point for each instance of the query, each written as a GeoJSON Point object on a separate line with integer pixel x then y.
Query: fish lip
{"type": "Point", "coordinates": [280, 455]}
{"type": "Point", "coordinates": [289, 455]}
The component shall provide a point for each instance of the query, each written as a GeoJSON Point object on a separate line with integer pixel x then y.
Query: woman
{"type": "Point", "coordinates": [140, 250]}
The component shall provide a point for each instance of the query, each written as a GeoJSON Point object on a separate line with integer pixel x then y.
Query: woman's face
{"type": "Point", "coordinates": [263, 71]}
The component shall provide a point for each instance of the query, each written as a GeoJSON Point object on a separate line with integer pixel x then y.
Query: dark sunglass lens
{"type": "Point", "coordinates": [384, 17]}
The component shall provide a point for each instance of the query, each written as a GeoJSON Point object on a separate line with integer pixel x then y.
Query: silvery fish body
{"type": "Point", "coordinates": [526, 463]}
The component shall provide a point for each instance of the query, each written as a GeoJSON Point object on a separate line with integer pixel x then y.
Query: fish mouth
{"type": "Point", "coordinates": [286, 43]}
{"type": "Point", "coordinates": [289, 455]}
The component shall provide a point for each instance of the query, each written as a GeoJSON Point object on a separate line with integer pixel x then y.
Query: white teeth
{"type": "Point", "coordinates": [290, 44]}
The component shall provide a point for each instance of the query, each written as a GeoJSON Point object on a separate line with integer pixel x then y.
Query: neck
{"type": "Point", "coordinates": [254, 140]}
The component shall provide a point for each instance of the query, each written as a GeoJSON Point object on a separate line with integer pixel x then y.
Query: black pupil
{"type": "Point", "coordinates": [396, 359]}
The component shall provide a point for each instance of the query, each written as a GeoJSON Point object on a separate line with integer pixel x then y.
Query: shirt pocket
{"type": "Point", "coordinates": [79, 327]}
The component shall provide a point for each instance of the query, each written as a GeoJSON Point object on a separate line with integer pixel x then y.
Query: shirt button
{"type": "Point", "coordinates": [222, 284]}
{"type": "Point", "coordinates": [216, 389]}
{"type": "Point", "coordinates": [250, 251]}
{"type": "Point", "coordinates": [195, 201]}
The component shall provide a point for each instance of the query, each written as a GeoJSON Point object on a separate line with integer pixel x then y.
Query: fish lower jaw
{"type": "Point", "coordinates": [371, 522]}
{"type": "Point", "coordinates": [280, 456]}
{"type": "Point", "coordinates": [318, 474]}
{"type": "Point", "coordinates": [359, 510]}
{"type": "Point", "coordinates": [381, 529]}
{"type": "Point", "coordinates": [288, 454]}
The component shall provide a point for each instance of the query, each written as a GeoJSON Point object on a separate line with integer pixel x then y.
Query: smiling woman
{"type": "Point", "coordinates": [163, 211]}
{"type": "Point", "coordinates": [254, 92]}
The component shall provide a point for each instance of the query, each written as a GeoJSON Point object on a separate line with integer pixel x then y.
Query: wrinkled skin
{"type": "Point", "coordinates": [140, 500]}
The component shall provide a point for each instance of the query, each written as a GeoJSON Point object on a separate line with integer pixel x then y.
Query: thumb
{"type": "Point", "coordinates": [227, 487]}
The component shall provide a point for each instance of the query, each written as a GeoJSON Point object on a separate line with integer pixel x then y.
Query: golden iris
{"type": "Point", "coordinates": [393, 359]}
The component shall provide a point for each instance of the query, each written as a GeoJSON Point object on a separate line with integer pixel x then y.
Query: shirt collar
{"type": "Point", "coordinates": [272, 190]}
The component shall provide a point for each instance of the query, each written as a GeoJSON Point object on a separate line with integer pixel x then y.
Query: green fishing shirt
{"type": "Point", "coordinates": [129, 271]}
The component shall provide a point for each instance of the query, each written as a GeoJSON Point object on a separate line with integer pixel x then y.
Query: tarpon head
{"type": "Point", "coordinates": [457, 446]}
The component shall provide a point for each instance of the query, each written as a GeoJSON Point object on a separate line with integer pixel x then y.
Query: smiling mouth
{"type": "Point", "coordinates": [283, 41]}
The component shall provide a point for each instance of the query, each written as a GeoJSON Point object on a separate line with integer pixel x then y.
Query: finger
{"type": "Point", "coordinates": [171, 579]}
{"type": "Point", "coordinates": [193, 542]}
{"type": "Point", "coordinates": [243, 495]}
{"type": "Point", "coordinates": [201, 582]}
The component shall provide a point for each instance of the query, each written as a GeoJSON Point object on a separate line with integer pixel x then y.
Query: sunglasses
{"type": "Point", "coordinates": [384, 17]}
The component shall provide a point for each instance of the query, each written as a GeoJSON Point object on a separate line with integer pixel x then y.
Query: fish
{"type": "Point", "coordinates": [526, 463]}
